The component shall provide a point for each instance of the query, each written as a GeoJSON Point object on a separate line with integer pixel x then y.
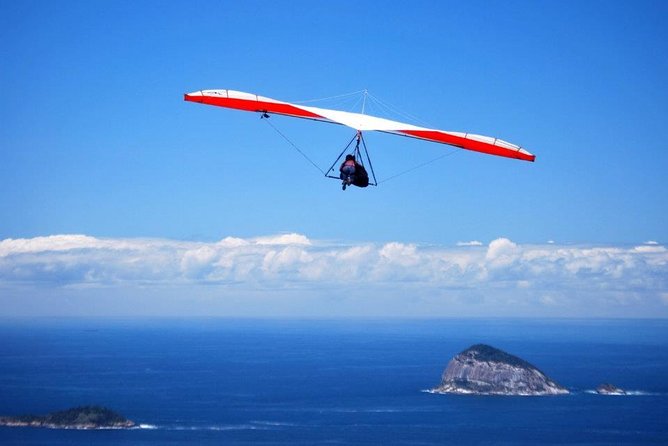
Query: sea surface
{"type": "Point", "coordinates": [304, 382]}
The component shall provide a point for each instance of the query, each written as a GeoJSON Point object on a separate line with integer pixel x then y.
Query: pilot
{"type": "Point", "coordinates": [347, 170]}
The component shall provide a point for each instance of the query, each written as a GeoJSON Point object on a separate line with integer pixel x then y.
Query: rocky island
{"type": "Point", "coordinates": [85, 417]}
{"type": "Point", "coordinates": [609, 389]}
{"type": "Point", "coordinates": [485, 370]}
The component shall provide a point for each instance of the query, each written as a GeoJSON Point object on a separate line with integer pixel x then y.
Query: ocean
{"type": "Point", "coordinates": [347, 382]}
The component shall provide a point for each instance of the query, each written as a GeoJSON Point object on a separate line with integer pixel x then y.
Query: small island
{"type": "Point", "coordinates": [609, 389]}
{"type": "Point", "coordinates": [485, 370]}
{"type": "Point", "coordinates": [85, 417]}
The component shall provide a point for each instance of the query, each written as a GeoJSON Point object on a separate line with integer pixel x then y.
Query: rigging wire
{"type": "Point", "coordinates": [265, 117]}
{"type": "Point", "coordinates": [363, 95]}
{"type": "Point", "coordinates": [392, 109]}
{"type": "Point", "coordinates": [330, 97]}
{"type": "Point", "coordinates": [354, 107]}
{"type": "Point", "coordinates": [452, 152]}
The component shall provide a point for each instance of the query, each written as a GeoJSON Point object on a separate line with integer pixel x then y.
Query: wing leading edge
{"type": "Point", "coordinates": [250, 102]}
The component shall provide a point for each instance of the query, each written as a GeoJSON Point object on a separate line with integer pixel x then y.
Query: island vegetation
{"type": "Point", "coordinates": [84, 417]}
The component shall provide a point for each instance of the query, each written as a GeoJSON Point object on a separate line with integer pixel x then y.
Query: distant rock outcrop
{"type": "Point", "coordinates": [485, 370]}
{"type": "Point", "coordinates": [609, 389]}
{"type": "Point", "coordinates": [86, 417]}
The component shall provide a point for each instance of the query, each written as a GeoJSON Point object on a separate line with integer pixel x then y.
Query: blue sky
{"type": "Point", "coordinates": [98, 150]}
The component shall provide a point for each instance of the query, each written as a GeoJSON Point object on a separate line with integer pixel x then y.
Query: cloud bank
{"type": "Point", "coordinates": [501, 273]}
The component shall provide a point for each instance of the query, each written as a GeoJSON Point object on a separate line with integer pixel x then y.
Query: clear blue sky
{"type": "Point", "coordinates": [95, 138]}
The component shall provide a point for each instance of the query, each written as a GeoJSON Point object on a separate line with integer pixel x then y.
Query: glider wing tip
{"type": "Point", "coordinates": [192, 97]}
{"type": "Point", "coordinates": [526, 156]}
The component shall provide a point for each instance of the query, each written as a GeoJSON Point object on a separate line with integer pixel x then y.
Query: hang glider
{"type": "Point", "coordinates": [361, 122]}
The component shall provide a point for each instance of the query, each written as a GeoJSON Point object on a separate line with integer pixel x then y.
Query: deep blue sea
{"type": "Point", "coordinates": [268, 382]}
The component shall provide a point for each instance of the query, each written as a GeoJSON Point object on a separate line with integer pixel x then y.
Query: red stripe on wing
{"type": "Point", "coordinates": [469, 144]}
{"type": "Point", "coordinates": [280, 108]}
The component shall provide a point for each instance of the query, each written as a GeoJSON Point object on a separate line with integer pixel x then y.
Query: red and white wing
{"type": "Point", "coordinates": [358, 121]}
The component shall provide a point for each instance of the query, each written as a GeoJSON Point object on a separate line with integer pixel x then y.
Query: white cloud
{"type": "Point", "coordinates": [399, 254]}
{"type": "Point", "coordinates": [501, 253]}
{"type": "Point", "coordinates": [523, 284]}
{"type": "Point", "coordinates": [548, 300]}
{"type": "Point", "coordinates": [233, 242]}
{"type": "Point", "coordinates": [285, 260]}
{"type": "Point", "coordinates": [557, 276]}
{"type": "Point", "coordinates": [56, 243]}
{"type": "Point", "coordinates": [471, 243]}
{"type": "Point", "coordinates": [650, 248]}
{"type": "Point", "coordinates": [283, 239]}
